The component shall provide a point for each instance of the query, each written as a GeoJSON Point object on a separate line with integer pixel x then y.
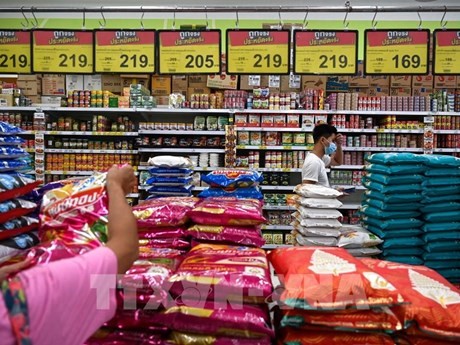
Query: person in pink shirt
{"type": "Point", "coordinates": [66, 301]}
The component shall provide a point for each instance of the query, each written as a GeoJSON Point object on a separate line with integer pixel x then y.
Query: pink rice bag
{"type": "Point", "coordinates": [166, 232]}
{"type": "Point", "coordinates": [148, 252]}
{"type": "Point", "coordinates": [245, 321]}
{"type": "Point", "coordinates": [246, 236]}
{"type": "Point", "coordinates": [137, 320]}
{"type": "Point", "coordinates": [160, 212]}
{"type": "Point", "coordinates": [228, 211]}
{"type": "Point", "coordinates": [180, 338]}
{"type": "Point", "coordinates": [105, 336]}
{"type": "Point", "coordinates": [223, 272]}
{"type": "Point", "coordinates": [174, 243]}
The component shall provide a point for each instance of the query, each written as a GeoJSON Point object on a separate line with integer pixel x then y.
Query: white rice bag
{"type": "Point", "coordinates": [318, 213]}
{"type": "Point", "coordinates": [314, 232]}
{"type": "Point", "coordinates": [364, 252]}
{"type": "Point", "coordinates": [170, 162]}
{"type": "Point", "coordinates": [319, 202]}
{"type": "Point", "coordinates": [320, 223]}
{"type": "Point", "coordinates": [316, 191]}
{"type": "Point", "coordinates": [316, 241]}
{"type": "Point", "coordinates": [355, 236]}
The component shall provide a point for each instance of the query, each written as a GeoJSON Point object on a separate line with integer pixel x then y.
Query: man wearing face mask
{"type": "Point", "coordinates": [326, 152]}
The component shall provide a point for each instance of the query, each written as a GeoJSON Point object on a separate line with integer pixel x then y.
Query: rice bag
{"type": "Point", "coordinates": [15, 208]}
{"type": "Point", "coordinates": [171, 172]}
{"type": "Point", "coordinates": [400, 169]}
{"type": "Point", "coordinates": [108, 336]}
{"type": "Point", "coordinates": [180, 338]}
{"type": "Point", "coordinates": [357, 237]}
{"type": "Point", "coordinates": [76, 213]}
{"type": "Point", "coordinates": [441, 207]}
{"type": "Point", "coordinates": [6, 129]}
{"type": "Point", "coordinates": [383, 206]}
{"type": "Point", "coordinates": [246, 236]}
{"type": "Point", "coordinates": [10, 152]}
{"type": "Point", "coordinates": [315, 241]}
{"type": "Point", "coordinates": [392, 224]}
{"type": "Point", "coordinates": [167, 256]}
{"type": "Point", "coordinates": [161, 232]}
{"type": "Point", "coordinates": [319, 202]}
{"type": "Point", "coordinates": [393, 198]}
{"type": "Point", "coordinates": [377, 213]}
{"type": "Point", "coordinates": [319, 223]}
{"type": "Point", "coordinates": [244, 321]}
{"type": "Point", "coordinates": [434, 302]}
{"type": "Point", "coordinates": [414, 251]}
{"type": "Point", "coordinates": [11, 140]}
{"type": "Point", "coordinates": [392, 189]}
{"type": "Point", "coordinates": [17, 226]}
{"type": "Point", "coordinates": [223, 272]}
{"type": "Point", "coordinates": [169, 211]}
{"type": "Point", "coordinates": [447, 226]}
{"type": "Point", "coordinates": [432, 199]}
{"type": "Point", "coordinates": [315, 232]}
{"type": "Point", "coordinates": [316, 191]}
{"type": "Point", "coordinates": [377, 319]}
{"type": "Point", "coordinates": [15, 185]}
{"type": "Point", "coordinates": [364, 252]}
{"type": "Point", "coordinates": [142, 320]}
{"type": "Point", "coordinates": [442, 161]}
{"type": "Point", "coordinates": [454, 255]}
{"type": "Point", "coordinates": [388, 180]}
{"type": "Point", "coordinates": [170, 162]}
{"type": "Point", "coordinates": [393, 158]}
{"type": "Point", "coordinates": [442, 246]}
{"type": "Point", "coordinates": [174, 243]}
{"type": "Point", "coordinates": [441, 236]}
{"type": "Point", "coordinates": [228, 211]}
{"type": "Point", "coordinates": [233, 178]}
{"type": "Point", "coordinates": [440, 181]}
{"type": "Point", "coordinates": [451, 191]}
{"type": "Point", "coordinates": [402, 242]}
{"type": "Point", "coordinates": [329, 278]}
{"type": "Point", "coordinates": [318, 213]}
{"type": "Point", "coordinates": [168, 181]}
{"type": "Point", "coordinates": [394, 233]}
{"type": "Point", "coordinates": [241, 193]}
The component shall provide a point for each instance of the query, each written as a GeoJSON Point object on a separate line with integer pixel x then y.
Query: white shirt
{"type": "Point", "coordinates": [314, 169]}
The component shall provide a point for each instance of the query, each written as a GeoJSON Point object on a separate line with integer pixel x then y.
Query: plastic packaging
{"type": "Point", "coordinates": [241, 193]}
{"type": "Point", "coordinates": [15, 208]}
{"type": "Point", "coordinates": [233, 178]}
{"type": "Point", "coordinates": [316, 191]}
{"type": "Point", "coordinates": [15, 185]}
{"type": "Point", "coordinates": [7, 129]}
{"type": "Point", "coordinates": [11, 140]}
{"type": "Point", "coordinates": [170, 162]}
{"type": "Point", "coordinates": [319, 203]}
{"type": "Point", "coordinates": [17, 226]}
{"type": "Point", "coordinates": [246, 236]}
{"type": "Point", "coordinates": [306, 212]}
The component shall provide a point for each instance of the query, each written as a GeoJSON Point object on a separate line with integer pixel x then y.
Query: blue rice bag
{"type": "Point", "coordinates": [233, 178]}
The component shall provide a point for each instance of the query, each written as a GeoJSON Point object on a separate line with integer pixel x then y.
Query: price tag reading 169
{"type": "Point", "coordinates": [14, 51]}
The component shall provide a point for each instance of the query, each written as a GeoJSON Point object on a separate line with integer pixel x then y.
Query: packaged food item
{"type": "Point", "coordinates": [232, 178]}
{"type": "Point", "coordinates": [10, 152]}
{"type": "Point", "coordinates": [173, 243]}
{"type": "Point", "coordinates": [401, 198]}
{"type": "Point", "coordinates": [199, 123]}
{"type": "Point", "coordinates": [17, 226]}
{"type": "Point", "coordinates": [316, 191]}
{"type": "Point", "coordinates": [377, 213]}
{"type": "Point", "coordinates": [15, 208]}
{"type": "Point", "coordinates": [169, 211]}
{"type": "Point", "coordinates": [392, 189]}
{"type": "Point", "coordinates": [223, 273]}
{"type": "Point", "coordinates": [315, 232]}
{"type": "Point", "coordinates": [256, 138]}
{"type": "Point", "coordinates": [241, 193]}
{"type": "Point", "coordinates": [319, 223]}
{"type": "Point", "coordinates": [400, 169]}
{"type": "Point", "coordinates": [287, 138]}
{"type": "Point", "coordinates": [11, 140]}
{"type": "Point", "coordinates": [211, 123]}
{"type": "Point", "coordinates": [293, 120]}
{"type": "Point", "coordinates": [170, 172]}
{"type": "Point", "coordinates": [140, 320]}
{"type": "Point", "coordinates": [318, 213]}
{"type": "Point", "coordinates": [161, 232]}
{"type": "Point", "coordinates": [170, 162]}
{"type": "Point", "coordinates": [110, 336]}
{"type": "Point", "coordinates": [168, 181]}
{"type": "Point", "coordinates": [319, 203]}
{"type": "Point", "coordinates": [391, 224]}
{"type": "Point", "coordinates": [268, 120]}
{"type": "Point", "coordinates": [438, 161]}
{"type": "Point", "coordinates": [315, 241]}
{"type": "Point", "coordinates": [395, 180]}
{"type": "Point", "coordinates": [7, 129]}
{"type": "Point", "coordinates": [355, 236]}
{"type": "Point", "coordinates": [15, 185]}
{"type": "Point", "coordinates": [279, 120]}
{"type": "Point", "coordinates": [382, 206]}
{"type": "Point", "coordinates": [15, 165]}
{"type": "Point", "coordinates": [17, 244]}
{"type": "Point", "coordinates": [299, 139]}
{"type": "Point", "coordinates": [314, 279]}
{"type": "Point", "coordinates": [393, 158]}
{"type": "Point", "coordinates": [241, 120]}
{"type": "Point", "coordinates": [243, 138]}
{"type": "Point", "coordinates": [222, 121]}
{"type": "Point", "coordinates": [271, 138]}
{"type": "Point", "coordinates": [173, 190]}
{"type": "Point", "coordinates": [180, 338]}
{"type": "Point", "coordinates": [246, 236]}
{"type": "Point", "coordinates": [227, 211]}
{"type": "Point", "coordinates": [254, 120]}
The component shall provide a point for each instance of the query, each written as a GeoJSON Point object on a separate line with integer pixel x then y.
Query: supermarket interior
{"type": "Point", "coordinates": [239, 173]}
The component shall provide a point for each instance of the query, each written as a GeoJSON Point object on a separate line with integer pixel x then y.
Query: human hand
{"type": "Point", "coordinates": [5, 271]}
{"type": "Point", "coordinates": [123, 177]}
{"type": "Point", "coordinates": [338, 139]}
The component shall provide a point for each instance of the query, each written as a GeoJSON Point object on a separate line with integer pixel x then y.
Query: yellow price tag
{"type": "Point", "coordinates": [396, 51]}
{"type": "Point", "coordinates": [62, 51]}
{"type": "Point", "coordinates": [258, 51]}
{"type": "Point", "coordinates": [124, 51]}
{"type": "Point", "coordinates": [446, 58]}
{"type": "Point", "coordinates": [325, 52]}
{"type": "Point", "coordinates": [14, 51]}
{"type": "Point", "coordinates": [187, 52]}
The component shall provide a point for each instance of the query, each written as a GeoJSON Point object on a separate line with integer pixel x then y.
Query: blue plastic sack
{"type": "Point", "coordinates": [451, 216]}
{"type": "Point", "coordinates": [381, 205]}
{"type": "Point", "coordinates": [376, 213]}
{"type": "Point", "coordinates": [172, 189]}
{"type": "Point", "coordinates": [170, 172]}
{"type": "Point", "coordinates": [441, 207]}
{"type": "Point", "coordinates": [441, 236]}
{"type": "Point", "coordinates": [402, 243]}
{"type": "Point", "coordinates": [404, 259]}
{"type": "Point", "coordinates": [411, 251]}
{"type": "Point", "coordinates": [429, 227]}
{"type": "Point", "coordinates": [430, 199]}
{"type": "Point", "coordinates": [451, 274]}
{"type": "Point", "coordinates": [233, 178]}
{"type": "Point", "coordinates": [441, 161]}
{"type": "Point", "coordinates": [440, 181]}
{"type": "Point", "coordinates": [240, 193]}
{"type": "Point", "coordinates": [408, 169]}
{"type": "Point", "coordinates": [394, 198]}
{"type": "Point", "coordinates": [10, 152]}
{"type": "Point", "coordinates": [442, 246]}
{"type": "Point", "coordinates": [168, 181]}
{"type": "Point", "coordinates": [440, 264]}
{"type": "Point", "coordinates": [394, 158]}
{"type": "Point", "coordinates": [395, 233]}
{"type": "Point", "coordinates": [395, 180]}
{"type": "Point", "coordinates": [7, 129]}
{"type": "Point", "coordinates": [409, 223]}
{"type": "Point", "coordinates": [11, 141]}
{"type": "Point", "coordinates": [396, 189]}
{"type": "Point", "coordinates": [453, 255]}
{"type": "Point", "coordinates": [438, 191]}
{"type": "Point", "coordinates": [439, 172]}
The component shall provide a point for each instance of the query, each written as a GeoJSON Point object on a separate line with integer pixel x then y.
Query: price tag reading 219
{"type": "Point", "coordinates": [258, 51]}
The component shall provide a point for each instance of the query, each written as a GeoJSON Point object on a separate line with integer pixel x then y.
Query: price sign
{"type": "Point", "coordinates": [188, 52]}
{"type": "Point", "coordinates": [258, 51]}
{"type": "Point", "coordinates": [124, 51]}
{"type": "Point", "coordinates": [325, 52]}
{"type": "Point", "coordinates": [396, 51]}
{"type": "Point", "coordinates": [446, 58]}
{"type": "Point", "coordinates": [14, 51]}
{"type": "Point", "coordinates": [62, 51]}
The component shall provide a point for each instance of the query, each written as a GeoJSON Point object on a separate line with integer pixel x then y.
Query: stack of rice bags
{"type": "Point", "coordinates": [316, 219]}
{"type": "Point", "coordinates": [233, 183]}
{"type": "Point", "coordinates": [441, 212]}
{"type": "Point", "coordinates": [220, 289]}
{"type": "Point", "coordinates": [391, 205]}
{"type": "Point", "coordinates": [170, 176]}
{"type": "Point", "coordinates": [17, 224]}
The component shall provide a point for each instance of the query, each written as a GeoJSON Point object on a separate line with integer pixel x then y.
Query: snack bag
{"type": "Point", "coordinates": [233, 178]}
{"type": "Point", "coordinates": [246, 236]}
{"type": "Point", "coordinates": [171, 172]}
{"type": "Point", "coordinates": [10, 152]}
{"type": "Point", "coordinates": [11, 140]}
{"type": "Point", "coordinates": [180, 338]}
{"type": "Point", "coordinates": [108, 336]}
{"type": "Point", "coordinates": [15, 208]}
{"type": "Point", "coordinates": [15, 185]}
{"type": "Point", "coordinates": [16, 245]}
{"type": "Point", "coordinates": [165, 232]}
{"type": "Point", "coordinates": [17, 226]}
{"type": "Point", "coordinates": [223, 272]}
{"type": "Point", "coordinates": [240, 193]}
{"type": "Point", "coordinates": [170, 162]}
{"type": "Point", "coordinates": [6, 129]}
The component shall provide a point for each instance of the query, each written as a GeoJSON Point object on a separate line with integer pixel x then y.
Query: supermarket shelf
{"type": "Point", "coordinates": [108, 134]}
{"type": "Point", "coordinates": [273, 129]}
{"type": "Point", "coordinates": [159, 131]}
{"type": "Point", "coordinates": [181, 150]}
{"type": "Point", "coordinates": [348, 167]}
{"type": "Point", "coordinates": [90, 151]}
{"type": "Point", "coordinates": [361, 130]}
{"type": "Point", "coordinates": [132, 195]}
{"type": "Point", "coordinates": [344, 112]}
{"type": "Point", "coordinates": [441, 150]}
{"type": "Point", "coordinates": [275, 246]}
{"type": "Point", "coordinates": [279, 207]}
{"type": "Point", "coordinates": [278, 170]}
{"type": "Point", "coordinates": [182, 110]}
{"type": "Point", "coordinates": [382, 149]}
{"type": "Point", "coordinates": [288, 188]}
{"type": "Point", "coordinates": [277, 227]}
{"type": "Point", "coordinates": [446, 131]}
{"type": "Point", "coordinates": [65, 172]}
{"type": "Point", "coordinates": [263, 147]}
{"type": "Point", "coordinates": [27, 133]}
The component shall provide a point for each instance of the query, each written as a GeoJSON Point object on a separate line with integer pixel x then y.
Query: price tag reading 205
{"type": "Point", "coordinates": [325, 52]}
{"type": "Point", "coordinates": [62, 51]}
{"type": "Point", "coordinates": [396, 51]}
{"type": "Point", "coordinates": [189, 52]}
{"type": "Point", "coordinates": [14, 51]}
{"type": "Point", "coordinates": [124, 51]}
{"type": "Point", "coordinates": [258, 51]}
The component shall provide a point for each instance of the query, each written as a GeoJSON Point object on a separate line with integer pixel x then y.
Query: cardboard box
{"type": "Point", "coordinates": [35, 99]}
{"type": "Point", "coordinates": [340, 83]}
{"type": "Point", "coordinates": [313, 82]}
{"type": "Point", "coordinates": [445, 82]}
{"type": "Point", "coordinates": [398, 81]}
{"type": "Point", "coordinates": [161, 85]}
{"type": "Point", "coordinates": [53, 84]}
{"type": "Point", "coordinates": [74, 82]}
{"type": "Point", "coordinates": [179, 83]}
{"type": "Point", "coordinates": [92, 82]}
{"type": "Point", "coordinates": [198, 80]}
{"type": "Point", "coordinates": [249, 82]}
{"type": "Point", "coordinates": [128, 79]}
{"type": "Point", "coordinates": [422, 91]}
{"type": "Point", "coordinates": [162, 100]}
{"type": "Point", "coordinates": [273, 82]}
{"type": "Point", "coordinates": [361, 91]}
{"type": "Point", "coordinates": [222, 81]}
{"type": "Point", "coordinates": [6, 100]}
{"type": "Point", "coordinates": [382, 81]}
{"type": "Point", "coordinates": [197, 90]}
{"type": "Point", "coordinates": [51, 100]}
{"type": "Point", "coordinates": [29, 88]}
{"type": "Point", "coordinates": [400, 91]}
{"type": "Point", "coordinates": [359, 80]}
{"type": "Point", "coordinates": [111, 82]}
{"type": "Point", "coordinates": [29, 77]}
{"type": "Point", "coordinates": [419, 81]}
{"type": "Point", "coordinates": [290, 83]}
{"type": "Point", "coordinates": [378, 91]}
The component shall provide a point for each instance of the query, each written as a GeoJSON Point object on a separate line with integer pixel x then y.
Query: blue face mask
{"type": "Point", "coordinates": [329, 150]}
